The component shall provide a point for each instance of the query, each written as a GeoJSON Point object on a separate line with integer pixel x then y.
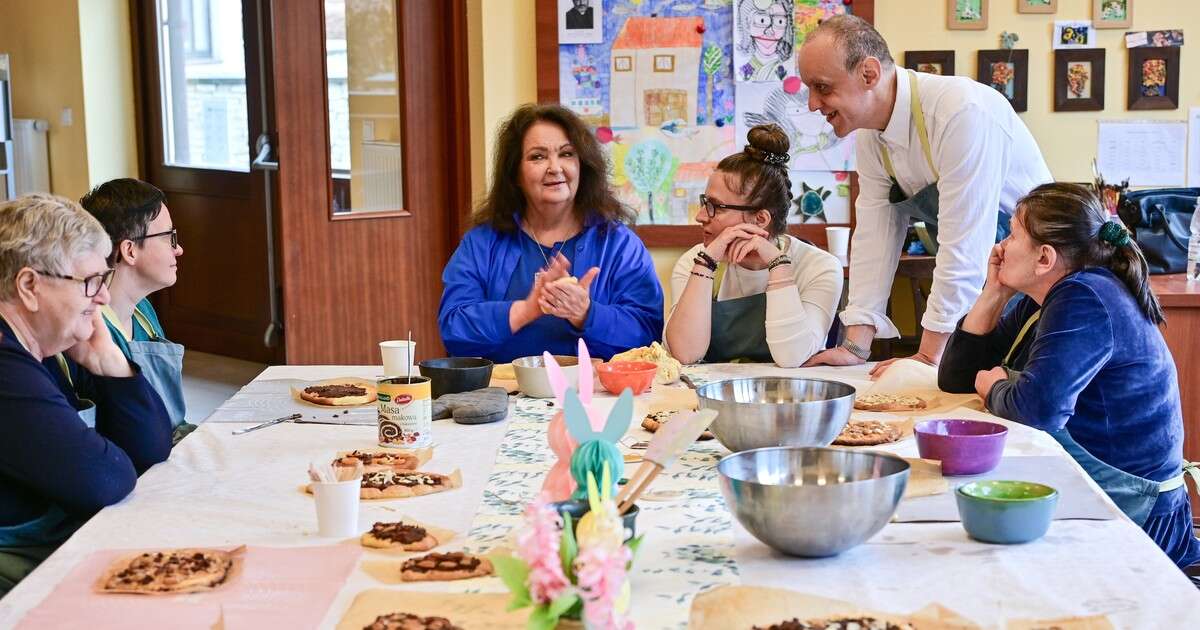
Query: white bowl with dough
{"type": "Point", "coordinates": [534, 380]}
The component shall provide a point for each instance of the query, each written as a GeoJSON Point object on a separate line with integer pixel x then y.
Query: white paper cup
{"type": "Point", "coordinates": [337, 508]}
{"type": "Point", "coordinates": [398, 357]}
{"type": "Point", "coordinates": [839, 243]}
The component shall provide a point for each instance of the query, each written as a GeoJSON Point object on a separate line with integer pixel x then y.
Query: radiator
{"type": "Point", "coordinates": [382, 187]}
{"type": "Point", "coordinates": [31, 156]}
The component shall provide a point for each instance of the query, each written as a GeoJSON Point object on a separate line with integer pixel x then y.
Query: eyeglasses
{"type": "Point", "coordinates": [764, 20]}
{"type": "Point", "coordinates": [173, 233]}
{"type": "Point", "coordinates": [91, 284]}
{"type": "Point", "coordinates": [711, 207]}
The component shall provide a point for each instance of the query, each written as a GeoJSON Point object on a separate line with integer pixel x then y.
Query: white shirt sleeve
{"type": "Point", "coordinates": [799, 317]}
{"type": "Point", "coordinates": [972, 158]}
{"type": "Point", "coordinates": [680, 275]}
{"type": "Point", "coordinates": [875, 246]}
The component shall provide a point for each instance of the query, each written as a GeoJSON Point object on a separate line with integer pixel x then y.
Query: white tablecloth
{"type": "Point", "coordinates": [220, 489]}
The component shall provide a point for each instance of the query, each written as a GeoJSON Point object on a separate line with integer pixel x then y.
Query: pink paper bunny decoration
{"type": "Point", "coordinates": [559, 483]}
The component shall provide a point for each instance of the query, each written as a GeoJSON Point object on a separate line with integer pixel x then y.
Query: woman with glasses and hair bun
{"type": "Point", "coordinates": [1080, 356]}
{"type": "Point", "coordinates": [751, 291]}
{"type": "Point", "coordinates": [145, 245]}
{"type": "Point", "coordinates": [78, 421]}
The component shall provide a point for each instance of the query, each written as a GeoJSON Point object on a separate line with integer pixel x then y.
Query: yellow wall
{"type": "Point", "coordinates": [42, 39]}
{"type": "Point", "coordinates": [107, 73]}
{"type": "Point", "coordinates": [1067, 139]}
{"type": "Point", "coordinates": [56, 64]}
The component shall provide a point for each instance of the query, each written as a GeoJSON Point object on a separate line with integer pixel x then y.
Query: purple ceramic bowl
{"type": "Point", "coordinates": [965, 447]}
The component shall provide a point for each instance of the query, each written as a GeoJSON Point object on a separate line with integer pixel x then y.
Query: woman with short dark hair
{"type": "Point", "coordinates": [1081, 357]}
{"type": "Point", "coordinates": [145, 244]}
{"type": "Point", "coordinates": [751, 291]}
{"type": "Point", "coordinates": [509, 290]}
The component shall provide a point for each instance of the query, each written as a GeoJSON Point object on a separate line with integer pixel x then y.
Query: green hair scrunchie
{"type": "Point", "coordinates": [1114, 234]}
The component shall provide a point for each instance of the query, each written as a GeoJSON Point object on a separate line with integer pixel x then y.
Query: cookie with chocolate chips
{"type": "Point", "coordinates": [399, 535]}
{"type": "Point", "coordinates": [439, 567]}
{"type": "Point", "coordinates": [867, 433]}
{"type": "Point", "coordinates": [339, 394]}
{"type": "Point", "coordinates": [169, 572]}
{"type": "Point", "coordinates": [409, 621]}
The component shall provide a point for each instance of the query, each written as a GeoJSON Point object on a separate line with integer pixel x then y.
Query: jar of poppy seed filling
{"type": "Point", "coordinates": [405, 412]}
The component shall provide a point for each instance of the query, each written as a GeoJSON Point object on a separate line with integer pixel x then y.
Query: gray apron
{"type": "Point", "coordinates": [739, 331]}
{"type": "Point", "coordinates": [161, 362]}
{"type": "Point", "coordinates": [923, 206]}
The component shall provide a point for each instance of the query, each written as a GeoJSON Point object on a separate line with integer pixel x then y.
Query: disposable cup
{"type": "Point", "coordinates": [398, 357]}
{"type": "Point", "coordinates": [839, 243]}
{"type": "Point", "coordinates": [337, 508]}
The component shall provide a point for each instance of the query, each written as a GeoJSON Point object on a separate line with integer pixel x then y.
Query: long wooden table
{"type": "Point", "coordinates": [1180, 300]}
{"type": "Point", "coordinates": [221, 489]}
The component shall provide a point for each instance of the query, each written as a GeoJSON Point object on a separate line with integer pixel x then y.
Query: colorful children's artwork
{"type": "Point", "coordinates": [580, 22]}
{"type": "Point", "coordinates": [639, 158]}
{"type": "Point", "coordinates": [820, 197]}
{"type": "Point", "coordinates": [810, 13]}
{"type": "Point", "coordinates": [1154, 39]}
{"type": "Point", "coordinates": [1073, 34]}
{"type": "Point", "coordinates": [1079, 80]}
{"type": "Point", "coordinates": [966, 15]}
{"type": "Point", "coordinates": [814, 145]}
{"type": "Point", "coordinates": [764, 40]}
{"type": "Point", "coordinates": [1112, 13]}
{"type": "Point", "coordinates": [1003, 75]}
{"type": "Point", "coordinates": [1154, 77]}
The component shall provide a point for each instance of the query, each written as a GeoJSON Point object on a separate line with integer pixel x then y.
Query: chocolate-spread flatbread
{"type": "Point", "coordinates": [339, 394]}
{"type": "Point", "coordinates": [867, 433]}
{"type": "Point", "coordinates": [383, 459]}
{"type": "Point", "coordinates": [841, 623]}
{"type": "Point", "coordinates": [408, 621]}
{"type": "Point", "coordinates": [438, 567]}
{"type": "Point", "coordinates": [169, 572]}
{"type": "Point", "coordinates": [399, 535]}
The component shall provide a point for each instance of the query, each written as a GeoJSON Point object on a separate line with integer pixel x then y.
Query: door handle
{"type": "Point", "coordinates": [264, 159]}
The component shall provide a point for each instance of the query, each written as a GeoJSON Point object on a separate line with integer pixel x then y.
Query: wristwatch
{"type": "Point", "coordinates": [856, 350]}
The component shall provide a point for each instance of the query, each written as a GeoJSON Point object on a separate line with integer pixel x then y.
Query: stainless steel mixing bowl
{"type": "Point", "coordinates": [812, 502]}
{"type": "Point", "coordinates": [774, 411]}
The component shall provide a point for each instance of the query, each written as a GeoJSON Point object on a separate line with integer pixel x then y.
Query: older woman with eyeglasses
{"type": "Point", "coordinates": [750, 291]}
{"type": "Point", "coordinates": [145, 246]}
{"type": "Point", "coordinates": [79, 421]}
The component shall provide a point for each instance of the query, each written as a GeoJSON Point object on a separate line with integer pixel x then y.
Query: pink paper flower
{"type": "Point", "coordinates": [601, 577]}
{"type": "Point", "coordinates": [538, 545]}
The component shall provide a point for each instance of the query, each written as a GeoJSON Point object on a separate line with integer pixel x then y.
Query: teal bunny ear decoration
{"type": "Point", "coordinates": [579, 424]}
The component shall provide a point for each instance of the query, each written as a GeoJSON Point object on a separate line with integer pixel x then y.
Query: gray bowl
{"type": "Point", "coordinates": [812, 502]}
{"type": "Point", "coordinates": [773, 411]}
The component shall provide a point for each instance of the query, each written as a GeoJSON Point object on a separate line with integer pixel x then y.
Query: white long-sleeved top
{"type": "Point", "coordinates": [986, 159]}
{"type": "Point", "coordinates": [798, 317]}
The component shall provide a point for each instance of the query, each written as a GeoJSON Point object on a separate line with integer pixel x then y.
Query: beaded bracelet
{"type": "Point", "coordinates": [700, 275]}
{"type": "Point", "coordinates": [781, 259]}
{"type": "Point", "coordinates": [704, 260]}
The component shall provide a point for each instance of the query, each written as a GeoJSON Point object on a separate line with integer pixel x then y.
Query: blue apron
{"type": "Point", "coordinates": [161, 362]}
{"type": "Point", "coordinates": [1135, 495]}
{"type": "Point", "coordinates": [924, 204]}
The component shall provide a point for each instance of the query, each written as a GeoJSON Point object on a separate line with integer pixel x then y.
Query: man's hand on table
{"type": "Point", "coordinates": [833, 356]}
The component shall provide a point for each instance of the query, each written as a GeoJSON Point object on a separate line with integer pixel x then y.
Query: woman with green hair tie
{"type": "Point", "coordinates": [1081, 357]}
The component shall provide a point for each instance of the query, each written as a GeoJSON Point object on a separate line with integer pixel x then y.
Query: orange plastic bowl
{"type": "Point", "coordinates": [636, 375]}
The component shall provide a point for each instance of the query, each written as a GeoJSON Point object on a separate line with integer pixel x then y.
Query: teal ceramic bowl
{"type": "Point", "coordinates": [1006, 512]}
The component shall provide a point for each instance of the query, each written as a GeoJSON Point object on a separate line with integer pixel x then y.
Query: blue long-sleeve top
{"type": "Point", "coordinates": [626, 298]}
{"type": "Point", "coordinates": [49, 457]}
{"type": "Point", "coordinates": [1094, 363]}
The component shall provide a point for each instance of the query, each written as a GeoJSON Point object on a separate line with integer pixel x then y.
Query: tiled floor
{"type": "Point", "coordinates": [209, 380]}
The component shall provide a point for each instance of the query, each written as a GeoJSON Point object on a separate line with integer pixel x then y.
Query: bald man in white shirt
{"type": "Point", "coordinates": [953, 154]}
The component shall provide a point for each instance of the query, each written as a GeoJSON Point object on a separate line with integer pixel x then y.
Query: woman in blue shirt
{"type": "Point", "coordinates": [145, 245]}
{"type": "Point", "coordinates": [1081, 357]}
{"type": "Point", "coordinates": [79, 422]}
{"type": "Point", "coordinates": [509, 289]}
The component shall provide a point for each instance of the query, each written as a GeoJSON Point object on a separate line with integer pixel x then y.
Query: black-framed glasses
{"type": "Point", "coordinates": [91, 284]}
{"type": "Point", "coordinates": [711, 207]}
{"type": "Point", "coordinates": [173, 233]}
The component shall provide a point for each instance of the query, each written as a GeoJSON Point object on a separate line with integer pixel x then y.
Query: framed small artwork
{"type": "Point", "coordinates": [580, 22]}
{"type": "Point", "coordinates": [1037, 6]}
{"type": "Point", "coordinates": [1008, 72]}
{"type": "Point", "coordinates": [1153, 78]}
{"type": "Point", "coordinates": [966, 15]}
{"type": "Point", "coordinates": [930, 61]}
{"type": "Point", "coordinates": [1073, 34]}
{"type": "Point", "coordinates": [1079, 80]}
{"type": "Point", "coordinates": [1112, 13]}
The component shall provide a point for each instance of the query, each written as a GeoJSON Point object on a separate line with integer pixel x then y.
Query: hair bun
{"type": "Point", "coordinates": [768, 144]}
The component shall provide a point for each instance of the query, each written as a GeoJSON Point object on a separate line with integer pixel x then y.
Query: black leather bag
{"type": "Point", "coordinates": [1161, 221]}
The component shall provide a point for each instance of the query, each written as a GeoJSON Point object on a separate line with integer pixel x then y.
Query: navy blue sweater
{"type": "Point", "coordinates": [49, 457]}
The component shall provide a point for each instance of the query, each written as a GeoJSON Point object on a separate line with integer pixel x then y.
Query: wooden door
{"type": "Point", "coordinates": [351, 279]}
{"type": "Point", "coordinates": [203, 103]}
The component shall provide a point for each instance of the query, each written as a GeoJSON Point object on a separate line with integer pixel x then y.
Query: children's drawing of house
{"type": "Point", "coordinates": [655, 71]}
